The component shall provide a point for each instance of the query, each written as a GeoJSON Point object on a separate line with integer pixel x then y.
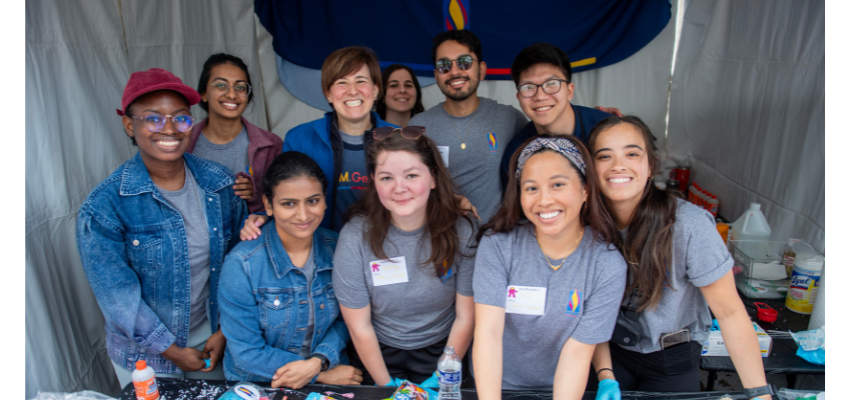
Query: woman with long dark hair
{"type": "Point", "coordinates": [401, 97]}
{"type": "Point", "coordinates": [225, 136]}
{"type": "Point", "coordinates": [678, 270]}
{"type": "Point", "coordinates": [548, 277]}
{"type": "Point", "coordinates": [403, 267]}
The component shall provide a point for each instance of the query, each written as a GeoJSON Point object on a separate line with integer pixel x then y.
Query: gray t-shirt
{"type": "Point", "coordinates": [353, 178]}
{"type": "Point", "coordinates": [408, 315]}
{"type": "Point", "coordinates": [188, 203]}
{"type": "Point", "coordinates": [476, 168]}
{"type": "Point", "coordinates": [581, 300]}
{"type": "Point", "coordinates": [699, 259]}
{"type": "Point", "coordinates": [307, 269]}
{"type": "Point", "coordinates": [233, 155]}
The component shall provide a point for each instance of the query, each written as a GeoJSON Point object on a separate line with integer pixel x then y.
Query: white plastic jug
{"type": "Point", "coordinates": [751, 226]}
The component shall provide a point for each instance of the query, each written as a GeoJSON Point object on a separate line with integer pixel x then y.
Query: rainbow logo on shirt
{"type": "Point", "coordinates": [574, 304]}
{"type": "Point", "coordinates": [494, 145]}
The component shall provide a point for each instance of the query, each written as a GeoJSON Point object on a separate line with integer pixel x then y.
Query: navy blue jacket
{"type": "Point", "coordinates": [315, 140]}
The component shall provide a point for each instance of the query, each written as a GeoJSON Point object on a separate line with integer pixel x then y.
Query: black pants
{"type": "Point", "coordinates": [675, 369]}
{"type": "Point", "coordinates": [414, 365]}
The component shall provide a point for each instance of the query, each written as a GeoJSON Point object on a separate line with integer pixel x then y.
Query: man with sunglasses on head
{"type": "Point", "coordinates": [471, 131]}
{"type": "Point", "coordinates": [543, 78]}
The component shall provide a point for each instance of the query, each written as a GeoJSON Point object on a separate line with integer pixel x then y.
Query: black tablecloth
{"type": "Point", "coordinates": [782, 358]}
{"type": "Point", "coordinates": [180, 389]}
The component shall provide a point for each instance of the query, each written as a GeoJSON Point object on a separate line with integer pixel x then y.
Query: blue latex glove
{"type": "Point", "coordinates": [609, 389]}
{"type": "Point", "coordinates": [432, 382]}
{"type": "Point", "coordinates": [394, 382]}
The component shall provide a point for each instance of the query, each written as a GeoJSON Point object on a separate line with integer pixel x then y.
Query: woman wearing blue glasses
{"type": "Point", "coordinates": [153, 235]}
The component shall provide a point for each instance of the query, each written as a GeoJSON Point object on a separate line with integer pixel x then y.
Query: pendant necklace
{"type": "Point", "coordinates": [575, 246]}
{"type": "Point", "coordinates": [462, 139]}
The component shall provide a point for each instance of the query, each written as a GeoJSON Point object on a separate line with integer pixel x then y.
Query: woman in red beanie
{"type": "Point", "coordinates": [152, 238]}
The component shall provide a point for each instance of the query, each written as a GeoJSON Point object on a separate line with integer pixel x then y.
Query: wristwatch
{"type": "Point", "coordinates": [759, 391]}
{"type": "Point", "coordinates": [326, 363]}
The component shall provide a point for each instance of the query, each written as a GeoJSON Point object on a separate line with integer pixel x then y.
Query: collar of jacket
{"type": "Point", "coordinates": [280, 259]}
{"type": "Point", "coordinates": [135, 179]}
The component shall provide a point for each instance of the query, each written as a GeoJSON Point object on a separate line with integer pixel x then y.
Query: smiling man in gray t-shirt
{"type": "Point", "coordinates": [470, 131]}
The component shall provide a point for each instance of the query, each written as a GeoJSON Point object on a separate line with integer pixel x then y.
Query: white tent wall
{"type": "Point", "coordinates": [76, 67]}
{"type": "Point", "coordinates": [747, 105]}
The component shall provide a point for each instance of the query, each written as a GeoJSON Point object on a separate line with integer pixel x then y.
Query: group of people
{"type": "Point", "coordinates": [384, 233]}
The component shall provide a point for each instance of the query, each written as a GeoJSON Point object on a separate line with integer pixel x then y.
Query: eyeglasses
{"type": "Point", "coordinates": [408, 132]}
{"type": "Point", "coordinates": [155, 122]}
{"type": "Point", "coordinates": [444, 65]}
{"type": "Point", "coordinates": [241, 88]}
{"type": "Point", "coordinates": [551, 86]}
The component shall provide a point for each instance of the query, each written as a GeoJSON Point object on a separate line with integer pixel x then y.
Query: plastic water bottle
{"type": "Point", "coordinates": [449, 369]}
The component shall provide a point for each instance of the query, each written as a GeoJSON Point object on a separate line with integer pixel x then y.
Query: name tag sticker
{"type": "Point", "coordinates": [528, 300]}
{"type": "Point", "coordinates": [388, 272]}
{"type": "Point", "coordinates": [444, 151]}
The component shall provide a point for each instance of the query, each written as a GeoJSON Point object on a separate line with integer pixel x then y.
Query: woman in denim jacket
{"type": "Point", "coordinates": [153, 235]}
{"type": "Point", "coordinates": [278, 308]}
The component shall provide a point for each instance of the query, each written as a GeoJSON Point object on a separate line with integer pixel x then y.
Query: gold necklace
{"type": "Point", "coordinates": [462, 139]}
{"type": "Point", "coordinates": [575, 246]}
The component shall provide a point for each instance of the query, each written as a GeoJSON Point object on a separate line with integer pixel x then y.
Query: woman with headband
{"type": "Point", "coordinates": [548, 277]}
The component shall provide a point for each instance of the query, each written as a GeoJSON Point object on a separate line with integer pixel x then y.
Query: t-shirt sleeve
{"type": "Point", "coordinates": [707, 257]}
{"type": "Point", "coordinates": [490, 279]}
{"type": "Point", "coordinates": [521, 120]}
{"type": "Point", "coordinates": [601, 305]}
{"type": "Point", "coordinates": [349, 275]}
{"type": "Point", "coordinates": [466, 262]}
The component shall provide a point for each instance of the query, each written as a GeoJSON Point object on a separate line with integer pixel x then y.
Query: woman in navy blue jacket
{"type": "Point", "coordinates": [351, 81]}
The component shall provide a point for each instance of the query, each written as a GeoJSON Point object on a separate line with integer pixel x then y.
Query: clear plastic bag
{"type": "Point", "coordinates": [84, 395]}
{"type": "Point", "coordinates": [812, 345]}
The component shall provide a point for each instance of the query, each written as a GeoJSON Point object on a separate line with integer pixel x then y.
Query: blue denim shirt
{"type": "Point", "coordinates": [134, 251]}
{"type": "Point", "coordinates": [264, 335]}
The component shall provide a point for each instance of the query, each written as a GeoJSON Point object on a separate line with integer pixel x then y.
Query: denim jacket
{"type": "Point", "coordinates": [134, 251]}
{"type": "Point", "coordinates": [263, 334]}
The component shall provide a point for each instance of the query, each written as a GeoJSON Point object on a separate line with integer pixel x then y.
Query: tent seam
{"type": "Point", "coordinates": [123, 30]}
{"type": "Point", "coordinates": [29, 232]}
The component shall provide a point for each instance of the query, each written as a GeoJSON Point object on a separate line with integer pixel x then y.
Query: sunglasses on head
{"type": "Point", "coordinates": [408, 132]}
{"type": "Point", "coordinates": [444, 65]}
